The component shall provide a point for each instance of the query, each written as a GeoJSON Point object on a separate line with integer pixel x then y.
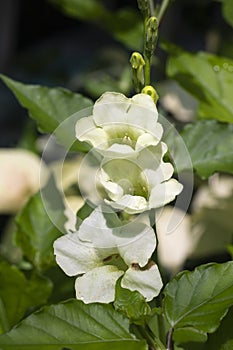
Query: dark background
{"type": "Point", "coordinates": [39, 44]}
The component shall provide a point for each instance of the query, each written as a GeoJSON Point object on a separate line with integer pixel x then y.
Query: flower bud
{"type": "Point", "coordinates": [144, 7]}
{"type": "Point", "coordinates": [149, 90]}
{"type": "Point", "coordinates": [151, 36]}
{"type": "Point", "coordinates": [137, 63]}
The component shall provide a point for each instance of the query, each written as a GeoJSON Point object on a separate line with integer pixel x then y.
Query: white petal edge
{"type": "Point", "coordinates": [98, 285]}
{"type": "Point", "coordinates": [147, 282]}
{"type": "Point", "coordinates": [164, 193]}
{"type": "Point", "coordinates": [136, 243]}
{"type": "Point", "coordinates": [110, 108]}
{"type": "Point", "coordinates": [86, 130]}
{"type": "Point", "coordinates": [114, 191]}
{"type": "Point", "coordinates": [74, 256]}
{"type": "Point", "coordinates": [130, 204]}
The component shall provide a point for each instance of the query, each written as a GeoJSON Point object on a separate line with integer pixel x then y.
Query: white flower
{"type": "Point", "coordinates": [140, 183]}
{"type": "Point", "coordinates": [22, 174]}
{"type": "Point", "coordinates": [102, 251]}
{"type": "Point", "coordinates": [120, 124]}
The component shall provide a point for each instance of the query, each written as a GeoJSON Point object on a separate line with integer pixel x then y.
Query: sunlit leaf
{"type": "Point", "coordinates": [210, 145]}
{"type": "Point", "coordinates": [51, 107]}
{"type": "Point", "coordinates": [74, 326]}
{"type": "Point", "coordinates": [195, 302]}
{"type": "Point", "coordinates": [207, 77]}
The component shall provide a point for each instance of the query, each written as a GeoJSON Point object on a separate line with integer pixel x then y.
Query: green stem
{"type": "Point", "coordinates": [152, 8]}
{"type": "Point", "coordinates": [162, 9]}
{"type": "Point", "coordinates": [4, 323]}
{"type": "Point", "coordinates": [154, 343]}
{"type": "Point", "coordinates": [147, 70]}
{"type": "Point", "coordinates": [170, 345]}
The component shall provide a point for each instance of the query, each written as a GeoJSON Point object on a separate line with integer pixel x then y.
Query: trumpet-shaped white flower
{"type": "Point", "coordinates": [140, 183]}
{"type": "Point", "coordinates": [102, 251]}
{"type": "Point", "coordinates": [120, 124]}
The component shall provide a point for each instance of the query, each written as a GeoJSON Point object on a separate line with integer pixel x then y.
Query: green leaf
{"type": "Point", "coordinates": [35, 231]}
{"type": "Point", "coordinates": [90, 10]}
{"type": "Point", "coordinates": [131, 304]}
{"type": "Point", "coordinates": [74, 326]}
{"type": "Point", "coordinates": [125, 24]}
{"type": "Point", "coordinates": [222, 339]}
{"type": "Point", "coordinates": [195, 302]}
{"type": "Point", "coordinates": [17, 294]}
{"type": "Point", "coordinates": [227, 10]}
{"type": "Point", "coordinates": [210, 145]}
{"type": "Point", "coordinates": [50, 107]}
{"type": "Point", "coordinates": [207, 77]}
{"type": "Point", "coordinates": [83, 213]}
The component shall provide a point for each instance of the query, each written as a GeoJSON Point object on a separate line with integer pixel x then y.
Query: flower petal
{"type": "Point", "coordinates": [113, 190]}
{"type": "Point", "coordinates": [163, 172]}
{"type": "Point", "coordinates": [86, 130]}
{"type": "Point", "coordinates": [145, 140]}
{"type": "Point", "coordinates": [136, 243]}
{"type": "Point", "coordinates": [97, 229]}
{"type": "Point", "coordinates": [164, 193]}
{"type": "Point", "coordinates": [130, 204]}
{"type": "Point", "coordinates": [110, 108]}
{"type": "Point", "coordinates": [142, 112]}
{"type": "Point", "coordinates": [74, 256]}
{"type": "Point", "coordinates": [98, 285]}
{"type": "Point", "coordinates": [119, 150]}
{"type": "Point", "coordinates": [147, 282]}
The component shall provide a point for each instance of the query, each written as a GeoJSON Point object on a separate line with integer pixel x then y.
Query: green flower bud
{"type": "Point", "coordinates": [151, 35]}
{"type": "Point", "coordinates": [137, 60]}
{"type": "Point", "coordinates": [149, 90]}
{"type": "Point", "coordinates": [137, 63]}
{"type": "Point", "coordinates": [144, 7]}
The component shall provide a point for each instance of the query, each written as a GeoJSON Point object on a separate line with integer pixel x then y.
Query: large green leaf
{"type": "Point", "coordinates": [207, 77]}
{"type": "Point", "coordinates": [195, 302]}
{"type": "Point", "coordinates": [74, 326]}
{"type": "Point", "coordinates": [17, 294]}
{"type": "Point", "coordinates": [38, 226]}
{"type": "Point", "coordinates": [210, 145]}
{"type": "Point", "coordinates": [227, 9]}
{"type": "Point", "coordinates": [50, 107]}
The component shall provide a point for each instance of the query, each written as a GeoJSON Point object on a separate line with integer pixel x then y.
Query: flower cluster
{"type": "Point", "coordinates": [102, 251]}
{"type": "Point", "coordinates": [132, 178]}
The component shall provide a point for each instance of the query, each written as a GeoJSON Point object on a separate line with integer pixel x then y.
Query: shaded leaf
{"type": "Point", "coordinates": [83, 213]}
{"type": "Point", "coordinates": [35, 231]}
{"type": "Point", "coordinates": [131, 304]}
{"type": "Point", "coordinates": [210, 145]}
{"type": "Point", "coordinates": [17, 294]}
{"type": "Point", "coordinates": [75, 326]}
{"type": "Point", "coordinates": [85, 10]}
{"type": "Point", "coordinates": [195, 302]}
{"type": "Point", "coordinates": [222, 339]}
{"type": "Point", "coordinates": [50, 107]}
{"type": "Point", "coordinates": [125, 24]}
{"type": "Point", "coordinates": [227, 10]}
{"type": "Point", "coordinates": [207, 77]}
